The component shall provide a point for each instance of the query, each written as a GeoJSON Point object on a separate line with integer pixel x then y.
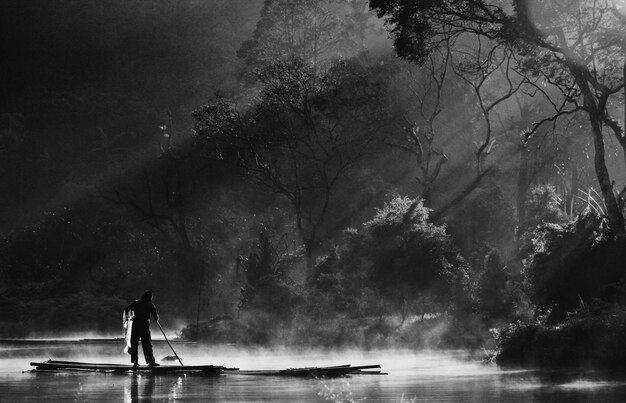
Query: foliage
{"type": "Point", "coordinates": [416, 33]}
{"type": "Point", "coordinates": [588, 339]}
{"type": "Point", "coordinates": [269, 298]}
{"type": "Point", "coordinates": [574, 264]}
{"type": "Point", "coordinates": [50, 250]}
{"type": "Point", "coordinates": [328, 290]}
{"type": "Point", "coordinates": [543, 206]}
{"type": "Point", "coordinates": [406, 250]}
{"type": "Point", "coordinates": [41, 310]}
{"type": "Point", "coordinates": [116, 258]}
{"type": "Point", "coordinates": [494, 299]}
{"type": "Point", "coordinates": [265, 270]}
{"type": "Point", "coordinates": [405, 255]}
{"type": "Point", "coordinates": [485, 217]}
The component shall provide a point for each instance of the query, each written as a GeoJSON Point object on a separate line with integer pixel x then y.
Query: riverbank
{"type": "Point", "coordinates": [587, 339]}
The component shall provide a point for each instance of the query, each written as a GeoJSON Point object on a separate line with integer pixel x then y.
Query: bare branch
{"type": "Point", "coordinates": [527, 134]}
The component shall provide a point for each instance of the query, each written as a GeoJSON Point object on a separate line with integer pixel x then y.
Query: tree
{"type": "Point", "coordinates": [427, 88]}
{"type": "Point", "coordinates": [577, 46]}
{"type": "Point", "coordinates": [405, 255]}
{"type": "Point", "coordinates": [484, 68]}
{"type": "Point", "coordinates": [557, 154]}
{"type": "Point", "coordinates": [305, 135]}
{"type": "Point", "coordinates": [460, 81]}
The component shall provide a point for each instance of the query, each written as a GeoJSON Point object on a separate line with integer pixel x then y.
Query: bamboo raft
{"type": "Point", "coordinates": [73, 366]}
{"type": "Point", "coordinates": [317, 372]}
{"type": "Point", "coordinates": [62, 342]}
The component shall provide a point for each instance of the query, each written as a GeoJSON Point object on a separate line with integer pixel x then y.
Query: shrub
{"type": "Point", "coordinates": [407, 254]}
{"type": "Point", "coordinates": [574, 264]}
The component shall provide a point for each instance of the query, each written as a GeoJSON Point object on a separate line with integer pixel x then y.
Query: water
{"type": "Point", "coordinates": [449, 376]}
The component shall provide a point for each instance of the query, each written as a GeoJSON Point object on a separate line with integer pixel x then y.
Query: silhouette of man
{"type": "Point", "coordinates": [140, 310]}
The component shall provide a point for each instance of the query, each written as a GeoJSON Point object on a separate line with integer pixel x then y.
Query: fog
{"type": "Point", "coordinates": [422, 376]}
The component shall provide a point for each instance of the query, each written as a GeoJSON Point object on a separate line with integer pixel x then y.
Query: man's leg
{"type": "Point", "coordinates": [146, 343]}
{"type": "Point", "coordinates": [134, 345]}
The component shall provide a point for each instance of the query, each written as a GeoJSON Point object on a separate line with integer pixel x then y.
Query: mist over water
{"type": "Point", "coordinates": [424, 376]}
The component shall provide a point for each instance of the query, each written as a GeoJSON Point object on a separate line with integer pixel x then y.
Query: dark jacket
{"type": "Point", "coordinates": [142, 310]}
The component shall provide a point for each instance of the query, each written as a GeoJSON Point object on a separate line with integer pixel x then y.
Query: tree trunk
{"type": "Point", "coordinates": [622, 137]}
{"type": "Point", "coordinates": [615, 217]}
{"type": "Point", "coordinates": [596, 111]}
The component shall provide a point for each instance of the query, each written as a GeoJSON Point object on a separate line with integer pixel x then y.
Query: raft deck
{"type": "Point", "coordinates": [70, 366]}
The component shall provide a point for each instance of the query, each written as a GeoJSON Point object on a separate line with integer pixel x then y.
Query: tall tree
{"type": "Point", "coordinates": [304, 136]}
{"type": "Point", "coordinates": [488, 85]}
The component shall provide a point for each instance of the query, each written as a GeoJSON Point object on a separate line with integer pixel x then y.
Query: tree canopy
{"type": "Point", "coordinates": [305, 134]}
{"type": "Point", "coordinates": [576, 47]}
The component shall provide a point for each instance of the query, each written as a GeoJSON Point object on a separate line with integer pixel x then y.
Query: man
{"type": "Point", "coordinates": [140, 310]}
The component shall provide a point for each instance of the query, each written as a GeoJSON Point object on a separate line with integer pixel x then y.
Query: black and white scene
{"type": "Point", "coordinates": [386, 201]}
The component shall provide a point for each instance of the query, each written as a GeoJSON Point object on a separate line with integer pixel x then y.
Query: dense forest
{"type": "Point", "coordinates": [319, 173]}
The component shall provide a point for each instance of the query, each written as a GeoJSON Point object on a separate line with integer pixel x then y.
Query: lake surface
{"type": "Point", "coordinates": [449, 376]}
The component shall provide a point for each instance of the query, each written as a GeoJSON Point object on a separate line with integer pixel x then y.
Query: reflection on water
{"type": "Point", "coordinates": [132, 393]}
{"type": "Point", "coordinates": [413, 377]}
